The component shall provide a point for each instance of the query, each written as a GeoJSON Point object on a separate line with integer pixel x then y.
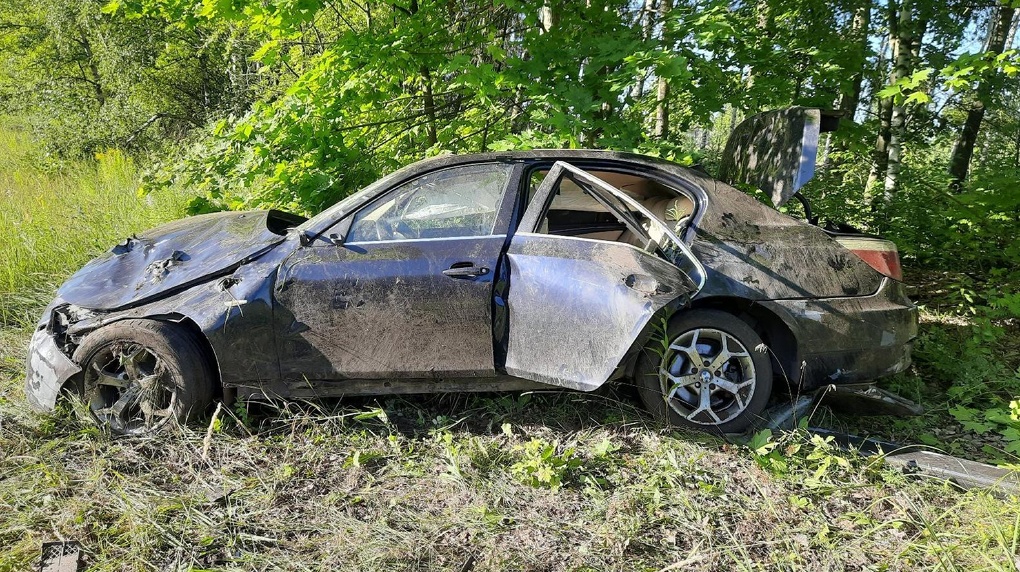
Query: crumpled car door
{"type": "Point", "coordinates": [577, 305]}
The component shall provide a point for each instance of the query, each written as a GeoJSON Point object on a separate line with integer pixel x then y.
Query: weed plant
{"type": "Point", "coordinates": [54, 217]}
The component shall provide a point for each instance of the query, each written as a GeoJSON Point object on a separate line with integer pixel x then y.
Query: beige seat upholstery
{"type": "Point", "coordinates": [671, 210]}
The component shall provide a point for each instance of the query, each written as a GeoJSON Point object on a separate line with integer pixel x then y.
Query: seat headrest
{"type": "Point", "coordinates": [670, 209]}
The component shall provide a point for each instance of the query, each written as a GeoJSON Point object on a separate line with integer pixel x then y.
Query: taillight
{"type": "Point", "coordinates": [879, 254]}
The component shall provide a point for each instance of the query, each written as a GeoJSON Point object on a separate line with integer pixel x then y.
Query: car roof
{"type": "Point", "coordinates": [690, 176]}
{"type": "Point", "coordinates": [549, 154]}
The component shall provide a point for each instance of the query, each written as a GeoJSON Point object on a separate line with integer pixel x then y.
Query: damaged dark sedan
{"type": "Point", "coordinates": [489, 272]}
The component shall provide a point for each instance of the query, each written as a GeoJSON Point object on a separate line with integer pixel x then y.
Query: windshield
{"type": "Point", "coordinates": [335, 212]}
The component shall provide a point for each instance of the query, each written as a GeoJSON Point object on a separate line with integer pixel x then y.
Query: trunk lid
{"type": "Point", "coordinates": [775, 151]}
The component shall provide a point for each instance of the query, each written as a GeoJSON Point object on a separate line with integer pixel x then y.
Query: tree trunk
{"type": "Point", "coordinates": [1008, 45]}
{"type": "Point", "coordinates": [902, 67]}
{"type": "Point", "coordinates": [1011, 35]}
{"type": "Point", "coordinates": [547, 17]}
{"type": "Point", "coordinates": [428, 97]}
{"type": "Point", "coordinates": [429, 107]}
{"type": "Point", "coordinates": [763, 11]}
{"type": "Point", "coordinates": [662, 85]}
{"type": "Point", "coordinates": [1016, 150]}
{"type": "Point", "coordinates": [959, 162]}
{"type": "Point", "coordinates": [647, 28]}
{"type": "Point", "coordinates": [849, 101]}
{"type": "Point", "coordinates": [92, 76]}
{"type": "Point", "coordinates": [880, 156]}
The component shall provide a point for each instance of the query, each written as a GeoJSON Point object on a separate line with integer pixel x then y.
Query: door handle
{"type": "Point", "coordinates": [465, 270]}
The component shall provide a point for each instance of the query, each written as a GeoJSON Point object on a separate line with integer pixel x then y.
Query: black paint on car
{"type": "Point", "coordinates": [500, 271]}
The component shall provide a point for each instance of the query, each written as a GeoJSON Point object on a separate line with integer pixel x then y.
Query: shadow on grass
{"type": "Point", "coordinates": [555, 413]}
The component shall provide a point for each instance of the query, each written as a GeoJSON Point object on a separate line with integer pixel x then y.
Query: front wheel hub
{"type": "Point", "coordinates": [127, 388]}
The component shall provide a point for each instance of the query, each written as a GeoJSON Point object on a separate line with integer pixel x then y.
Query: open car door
{"type": "Point", "coordinates": [577, 305]}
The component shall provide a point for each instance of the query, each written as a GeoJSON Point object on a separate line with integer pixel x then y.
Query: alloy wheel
{"type": "Point", "coordinates": [127, 388]}
{"type": "Point", "coordinates": [707, 376]}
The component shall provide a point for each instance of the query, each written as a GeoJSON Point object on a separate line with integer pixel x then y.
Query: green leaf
{"type": "Point", "coordinates": [761, 443]}
{"type": "Point", "coordinates": [918, 97]}
{"type": "Point", "coordinates": [111, 7]}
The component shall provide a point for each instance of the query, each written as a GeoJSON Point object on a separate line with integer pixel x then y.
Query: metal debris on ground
{"type": "Point", "coordinates": [911, 459]}
{"type": "Point", "coordinates": [61, 557]}
{"type": "Point", "coordinates": [966, 474]}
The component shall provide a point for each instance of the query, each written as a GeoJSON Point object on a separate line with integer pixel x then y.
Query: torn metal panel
{"type": "Point", "coordinates": [965, 473]}
{"type": "Point", "coordinates": [172, 257]}
{"type": "Point", "coordinates": [867, 399]}
{"type": "Point", "coordinates": [919, 461]}
{"type": "Point", "coordinates": [48, 369]}
{"type": "Point", "coordinates": [775, 151]}
{"type": "Point", "coordinates": [785, 416]}
{"type": "Point", "coordinates": [576, 306]}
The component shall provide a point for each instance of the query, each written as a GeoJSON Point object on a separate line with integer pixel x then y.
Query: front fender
{"type": "Point", "coordinates": [233, 313]}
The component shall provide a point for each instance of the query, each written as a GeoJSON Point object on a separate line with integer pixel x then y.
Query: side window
{"type": "Point", "coordinates": [461, 201]}
{"type": "Point", "coordinates": [574, 212]}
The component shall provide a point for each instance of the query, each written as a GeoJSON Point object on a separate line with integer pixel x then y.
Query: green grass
{"type": "Point", "coordinates": [433, 484]}
{"type": "Point", "coordinates": [453, 482]}
{"type": "Point", "coordinates": [53, 220]}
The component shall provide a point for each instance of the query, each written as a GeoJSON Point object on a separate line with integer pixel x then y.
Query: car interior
{"type": "Point", "coordinates": [575, 212]}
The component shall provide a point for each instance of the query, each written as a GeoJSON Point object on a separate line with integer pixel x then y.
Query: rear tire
{"type": "Point", "coordinates": [139, 376]}
{"type": "Point", "coordinates": [711, 377]}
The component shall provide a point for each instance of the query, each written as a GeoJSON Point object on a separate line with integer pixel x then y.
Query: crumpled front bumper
{"type": "Point", "coordinates": [48, 370]}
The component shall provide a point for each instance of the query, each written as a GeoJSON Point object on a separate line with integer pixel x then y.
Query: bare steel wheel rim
{"type": "Point", "coordinates": [707, 376]}
{"type": "Point", "coordinates": [128, 387]}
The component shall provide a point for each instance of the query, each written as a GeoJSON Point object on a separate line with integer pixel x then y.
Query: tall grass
{"type": "Point", "coordinates": [54, 218]}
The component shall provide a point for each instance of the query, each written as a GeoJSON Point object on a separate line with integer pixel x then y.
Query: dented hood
{"type": "Point", "coordinates": [174, 256]}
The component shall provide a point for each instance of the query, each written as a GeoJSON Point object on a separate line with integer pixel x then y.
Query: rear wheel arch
{"type": "Point", "coordinates": [774, 331]}
{"type": "Point", "coordinates": [726, 402]}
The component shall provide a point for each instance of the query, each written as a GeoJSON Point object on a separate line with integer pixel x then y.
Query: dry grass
{"type": "Point", "coordinates": [406, 484]}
